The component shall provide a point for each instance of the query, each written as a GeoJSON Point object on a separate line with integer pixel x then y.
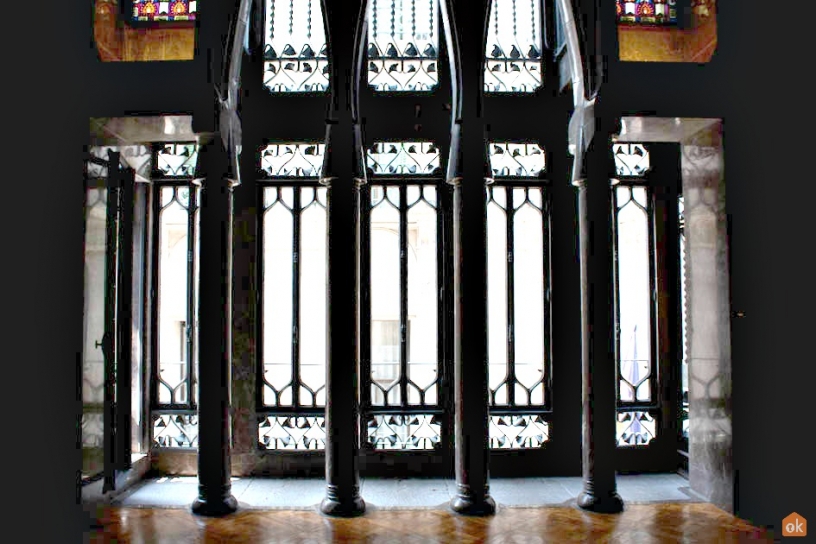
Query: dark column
{"type": "Point", "coordinates": [215, 336]}
{"type": "Point", "coordinates": [342, 410]}
{"type": "Point", "coordinates": [597, 353]}
{"type": "Point", "coordinates": [470, 277]}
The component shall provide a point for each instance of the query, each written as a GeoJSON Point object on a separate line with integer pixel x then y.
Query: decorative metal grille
{"type": "Point", "coordinates": [295, 53]}
{"type": "Point", "coordinates": [631, 160]}
{"type": "Point", "coordinates": [177, 160]}
{"type": "Point", "coordinates": [684, 377]}
{"type": "Point", "coordinates": [518, 431]}
{"type": "Point", "coordinates": [634, 277]}
{"type": "Point", "coordinates": [297, 160]}
{"type": "Point", "coordinates": [404, 158]}
{"type": "Point", "coordinates": [513, 49]}
{"type": "Point", "coordinates": [292, 433]}
{"type": "Point", "coordinates": [294, 256]}
{"type": "Point", "coordinates": [164, 11]}
{"type": "Point", "coordinates": [175, 430]}
{"type": "Point", "coordinates": [518, 327]}
{"type": "Point", "coordinates": [647, 12]}
{"type": "Point", "coordinates": [635, 429]}
{"type": "Point", "coordinates": [404, 431]}
{"type": "Point", "coordinates": [511, 159]}
{"type": "Point", "coordinates": [403, 45]}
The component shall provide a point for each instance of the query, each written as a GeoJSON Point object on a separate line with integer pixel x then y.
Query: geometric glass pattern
{"type": "Point", "coordinates": [403, 158]}
{"type": "Point", "coordinates": [293, 297]}
{"type": "Point", "coordinates": [631, 159]}
{"type": "Point", "coordinates": [404, 431]}
{"type": "Point", "coordinates": [164, 11]}
{"type": "Point", "coordinates": [403, 45]}
{"type": "Point", "coordinates": [177, 159]}
{"type": "Point", "coordinates": [647, 12]}
{"type": "Point", "coordinates": [508, 159]}
{"type": "Point", "coordinates": [175, 430]}
{"type": "Point", "coordinates": [294, 160]}
{"type": "Point", "coordinates": [295, 55]}
{"type": "Point", "coordinates": [513, 49]}
{"type": "Point", "coordinates": [634, 301]}
{"type": "Point", "coordinates": [518, 431]}
{"type": "Point", "coordinates": [635, 428]}
{"type": "Point", "coordinates": [292, 433]}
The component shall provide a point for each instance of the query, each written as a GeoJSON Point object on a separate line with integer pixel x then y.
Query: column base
{"type": "Point", "coordinates": [468, 504]}
{"type": "Point", "coordinates": [215, 508]}
{"type": "Point", "coordinates": [334, 505]}
{"type": "Point", "coordinates": [608, 504]}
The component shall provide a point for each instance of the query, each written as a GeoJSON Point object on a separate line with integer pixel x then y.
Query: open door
{"type": "Point", "coordinates": [106, 320]}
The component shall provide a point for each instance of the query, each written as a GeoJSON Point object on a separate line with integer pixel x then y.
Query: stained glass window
{"type": "Point", "coordinates": [648, 12]}
{"type": "Point", "coordinates": [403, 45]}
{"type": "Point", "coordinates": [164, 11]}
{"type": "Point", "coordinates": [295, 55]}
{"type": "Point", "coordinates": [516, 159]}
{"type": "Point", "coordinates": [403, 158]}
{"type": "Point", "coordinates": [513, 49]}
{"type": "Point", "coordinates": [631, 159]}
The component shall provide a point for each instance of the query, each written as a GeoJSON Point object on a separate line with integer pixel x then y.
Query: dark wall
{"type": "Point", "coordinates": [752, 83]}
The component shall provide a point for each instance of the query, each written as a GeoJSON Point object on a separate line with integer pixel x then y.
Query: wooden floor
{"type": "Point", "coordinates": [638, 524]}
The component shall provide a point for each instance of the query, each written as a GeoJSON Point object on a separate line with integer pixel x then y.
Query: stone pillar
{"type": "Point", "coordinates": [215, 336]}
{"type": "Point", "coordinates": [472, 446]}
{"type": "Point", "coordinates": [597, 330]}
{"type": "Point", "coordinates": [342, 368]}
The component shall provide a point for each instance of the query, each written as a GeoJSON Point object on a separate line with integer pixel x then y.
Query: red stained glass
{"type": "Point", "coordinates": [164, 10]}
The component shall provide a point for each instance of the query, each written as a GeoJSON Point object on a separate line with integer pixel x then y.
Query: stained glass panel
{"type": "Point", "coordinates": [292, 433]}
{"type": "Point", "coordinates": [635, 429]}
{"type": "Point", "coordinates": [295, 53]}
{"type": "Point", "coordinates": [403, 45]}
{"type": "Point", "coordinates": [175, 160]}
{"type": "Point", "coordinates": [631, 159]}
{"type": "Point", "coordinates": [404, 431]}
{"type": "Point", "coordinates": [175, 430]}
{"type": "Point", "coordinates": [296, 160]}
{"type": "Point", "coordinates": [511, 159]}
{"type": "Point", "coordinates": [513, 48]}
{"type": "Point", "coordinates": [164, 11]}
{"type": "Point", "coordinates": [647, 12]}
{"type": "Point", "coordinates": [403, 158]}
{"type": "Point", "coordinates": [518, 431]}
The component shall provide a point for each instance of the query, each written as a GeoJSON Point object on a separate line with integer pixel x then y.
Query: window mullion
{"type": "Point", "coordinates": [403, 319]}
{"type": "Point", "coordinates": [296, 246]}
{"type": "Point", "coordinates": [510, 379]}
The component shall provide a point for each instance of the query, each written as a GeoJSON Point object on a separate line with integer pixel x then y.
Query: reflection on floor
{"type": "Point", "coordinates": [306, 494]}
{"type": "Point", "coordinates": [639, 524]}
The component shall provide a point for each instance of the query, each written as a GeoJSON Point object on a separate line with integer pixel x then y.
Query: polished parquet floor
{"type": "Point", "coordinates": [638, 524]}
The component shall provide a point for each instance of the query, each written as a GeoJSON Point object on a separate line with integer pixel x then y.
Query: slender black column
{"type": "Point", "coordinates": [597, 353]}
{"type": "Point", "coordinates": [472, 447]}
{"type": "Point", "coordinates": [215, 336]}
{"type": "Point", "coordinates": [342, 368]}
{"type": "Point", "coordinates": [124, 331]}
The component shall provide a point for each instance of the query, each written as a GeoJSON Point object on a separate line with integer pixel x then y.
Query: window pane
{"type": "Point", "coordinates": [422, 296]}
{"type": "Point", "coordinates": [158, 10]}
{"type": "Point", "coordinates": [403, 158]}
{"type": "Point", "coordinates": [509, 159]}
{"type": "Point", "coordinates": [660, 12]}
{"type": "Point", "coordinates": [497, 293]}
{"type": "Point", "coordinates": [403, 45]}
{"type": "Point", "coordinates": [178, 160]}
{"type": "Point", "coordinates": [631, 159]}
{"type": "Point", "coordinates": [295, 55]}
{"type": "Point", "coordinates": [634, 294]}
{"type": "Point", "coordinates": [404, 432]}
{"type": "Point", "coordinates": [303, 160]}
{"type": "Point", "coordinates": [513, 48]}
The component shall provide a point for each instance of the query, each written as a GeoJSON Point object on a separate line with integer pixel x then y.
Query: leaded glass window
{"type": "Point", "coordinates": [403, 45]}
{"type": "Point", "coordinates": [402, 241]}
{"type": "Point", "coordinates": [518, 271]}
{"type": "Point", "coordinates": [635, 309]}
{"type": "Point", "coordinates": [647, 12]}
{"type": "Point", "coordinates": [293, 242]}
{"type": "Point", "coordinates": [513, 49]}
{"type": "Point", "coordinates": [164, 11]}
{"type": "Point", "coordinates": [295, 53]}
{"type": "Point", "coordinates": [177, 216]}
